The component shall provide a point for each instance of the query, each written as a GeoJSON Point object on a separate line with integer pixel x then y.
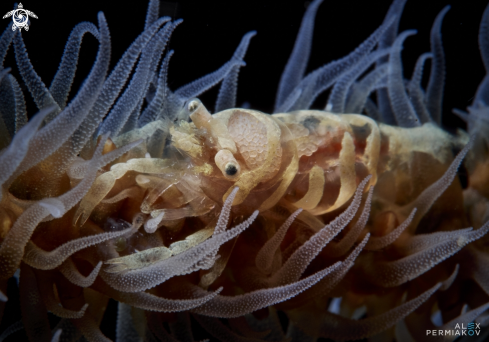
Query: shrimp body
{"type": "Point", "coordinates": [306, 159]}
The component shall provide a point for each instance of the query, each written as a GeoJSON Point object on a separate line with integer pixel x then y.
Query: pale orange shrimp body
{"type": "Point", "coordinates": [312, 160]}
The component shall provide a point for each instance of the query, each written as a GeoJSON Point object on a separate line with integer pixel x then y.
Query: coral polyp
{"type": "Point", "coordinates": [347, 223]}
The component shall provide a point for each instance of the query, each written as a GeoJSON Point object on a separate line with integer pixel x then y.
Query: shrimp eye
{"type": "Point", "coordinates": [192, 105]}
{"type": "Point", "coordinates": [228, 165]}
{"type": "Point", "coordinates": [231, 169]}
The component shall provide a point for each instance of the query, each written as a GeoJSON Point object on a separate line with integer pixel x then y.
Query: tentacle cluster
{"type": "Point", "coordinates": [352, 225]}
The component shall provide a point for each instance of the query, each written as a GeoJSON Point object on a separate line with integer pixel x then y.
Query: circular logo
{"type": "Point", "coordinates": [20, 18]}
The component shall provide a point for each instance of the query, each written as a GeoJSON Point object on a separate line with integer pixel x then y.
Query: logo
{"type": "Point", "coordinates": [20, 18]}
{"type": "Point", "coordinates": [471, 329]}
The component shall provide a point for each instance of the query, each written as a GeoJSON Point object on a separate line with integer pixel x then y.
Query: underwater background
{"type": "Point", "coordinates": [211, 30]}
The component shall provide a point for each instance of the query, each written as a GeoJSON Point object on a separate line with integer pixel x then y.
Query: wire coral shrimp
{"type": "Point", "coordinates": [345, 223]}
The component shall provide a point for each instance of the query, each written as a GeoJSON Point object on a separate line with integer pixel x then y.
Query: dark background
{"type": "Point", "coordinates": [212, 30]}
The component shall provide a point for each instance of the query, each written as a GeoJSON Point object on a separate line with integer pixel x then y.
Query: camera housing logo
{"type": "Point", "coordinates": [20, 18]}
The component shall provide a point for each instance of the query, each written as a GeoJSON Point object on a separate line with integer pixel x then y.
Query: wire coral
{"type": "Point", "coordinates": [344, 223]}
